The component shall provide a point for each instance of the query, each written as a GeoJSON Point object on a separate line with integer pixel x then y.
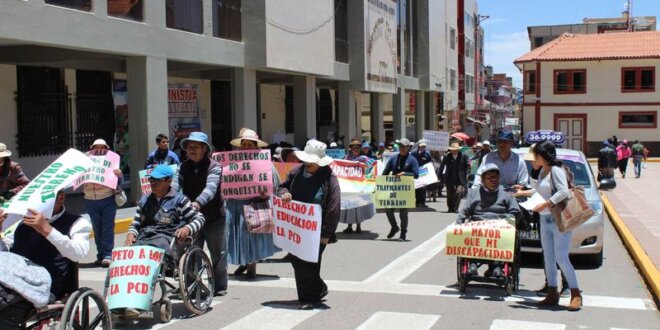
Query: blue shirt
{"type": "Point", "coordinates": [512, 171]}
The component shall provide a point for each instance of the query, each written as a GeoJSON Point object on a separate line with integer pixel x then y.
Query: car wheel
{"type": "Point", "coordinates": [595, 259]}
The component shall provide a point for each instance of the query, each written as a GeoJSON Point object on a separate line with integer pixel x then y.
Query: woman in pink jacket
{"type": "Point", "coordinates": [623, 152]}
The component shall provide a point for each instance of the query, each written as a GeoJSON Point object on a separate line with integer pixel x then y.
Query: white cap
{"type": "Point", "coordinates": [333, 144]}
{"type": "Point", "coordinates": [486, 143]}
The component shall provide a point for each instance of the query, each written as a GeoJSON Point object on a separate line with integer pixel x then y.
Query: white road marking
{"type": "Point", "coordinates": [163, 325]}
{"type": "Point", "coordinates": [524, 325]}
{"type": "Point", "coordinates": [272, 319]}
{"type": "Point", "coordinates": [396, 321]}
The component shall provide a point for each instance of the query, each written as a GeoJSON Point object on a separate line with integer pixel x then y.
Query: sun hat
{"type": "Point", "coordinates": [99, 142]}
{"type": "Point", "coordinates": [314, 153]}
{"type": "Point", "coordinates": [366, 145]}
{"type": "Point", "coordinates": [404, 142]}
{"type": "Point", "coordinates": [486, 143]}
{"type": "Point", "coordinates": [4, 152]}
{"type": "Point", "coordinates": [196, 137]}
{"type": "Point", "coordinates": [529, 156]}
{"type": "Point", "coordinates": [489, 168]}
{"type": "Point", "coordinates": [161, 171]}
{"type": "Point", "coordinates": [355, 142]}
{"type": "Point", "coordinates": [454, 146]}
{"type": "Point", "coordinates": [250, 135]}
{"type": "Point", "coordinates": [422, 143]}
{"type": "Point", "coordinates": [505, 136]}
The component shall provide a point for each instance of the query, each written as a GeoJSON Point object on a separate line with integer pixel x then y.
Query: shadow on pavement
{"type": "Point", "coordinates": [364, 235]}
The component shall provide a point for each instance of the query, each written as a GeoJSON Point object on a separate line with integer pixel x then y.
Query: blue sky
{"type": "Point", "coordinates": [506, 29]}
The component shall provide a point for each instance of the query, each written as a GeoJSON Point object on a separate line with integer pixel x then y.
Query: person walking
{"type": "Point", "coordinates": [455, 168]}
{"type": "Point", "coordinates": [314, 183]}
{"type": "Point", "coordinates": [623, 153]}
{"type": "Point", "coordinates": [553, 186]}
{"type": "Point", "coordinates": [402, 164]}
{"type": "Point", "coordinates": [162, 154]}
{"type": "Point", "coordinates": [607, 161]}
{"type": "Point", "coordinates": [366, 157]}
{"type": "Point", "coordinates": [638, 157]}
{"type": "Point", "coordinates": [423, 157]}
{"type": "Point", "coordinates": [245, 248]}
{"type": "Point", "coordinates": [199, 180]}
{"type": "Point", "coordinates": [12, 178]}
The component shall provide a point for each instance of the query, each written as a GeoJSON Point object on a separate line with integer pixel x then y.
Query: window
{"type": "Point", "coordinates": [85, 5]}
{"type": "Point", "coordinates": [184, 15]}
{"type": "Point", "coordinates": [469, 50]}
{"type": "Point", "coordinates": [452, 79]}
{"type": "Point", "coordinates": [538, 42]}
{"type": "Point", "coordinates": [530, 82]}
{"type": "Point", "coordinates": [638, 79]}
{"type": "Point", "coordinates": [452, 38]}
{"type": "Point", "coordinates": [341, 31]}
{"type": "Point", "coordinates": [288, 109]}
{"type": "Point", "coordinates": [570, 81]}
{"type": "Point", "coordinates": [227, 19]}
{"type": "Point", "coordinates": [638, 119]}
{"type": "Point", "coordinates": [126, 9]}
{"type": "Point", "coordinates": [469, 84]}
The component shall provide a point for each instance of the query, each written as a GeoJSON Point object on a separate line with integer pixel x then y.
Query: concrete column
{"type": "Point", "coordinates": [304, 109]}
{"type": "Point", "coordinates": [348, 112]}
{"type": "Point", "coordinates": [207, 18]}
{"type": "Point", "coordinates": [154, 13]}
{"type": "Point", "coordinates": [399, 114]}
{"type": "Point", "coordinates": [377, 121]}
{"type": "Point", "coordinates": [147, 115]}
{"type": "Point", "coordinates": [431, 118]}
{"type": "Point", "coordinates": [420, 114]}
{"type": "Point", "coordinates": [100, 7]}
{"type": "Point", "coordinates": [244, 89]}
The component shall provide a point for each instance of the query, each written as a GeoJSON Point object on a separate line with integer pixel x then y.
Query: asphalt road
{"type": "Point", "coordinates": [377, 283]}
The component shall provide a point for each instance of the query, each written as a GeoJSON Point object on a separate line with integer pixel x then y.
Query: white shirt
{"type": "Point", "coordinates": [74, 247]}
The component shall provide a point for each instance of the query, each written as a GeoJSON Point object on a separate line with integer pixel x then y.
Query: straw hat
{"type": "Point", "coordinates": [4, 152]}
{"type": "Point", "coordinates": [454, 146]}
{"type": "Point", "coordinates": [250, 135]}
{"type": "Point", "coordinates": [314, 153]}
{"type": "Point", "coordinates": [529, 156]}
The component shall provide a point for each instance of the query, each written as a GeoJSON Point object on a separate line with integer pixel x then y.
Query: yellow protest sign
{"type": "Point", "coordinates": [395, 192]}
{"type": "Point", "coordinates": [487, 239]}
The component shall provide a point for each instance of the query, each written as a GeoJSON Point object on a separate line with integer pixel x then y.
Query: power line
{"type": "Point", "coordinates": [307, 30]}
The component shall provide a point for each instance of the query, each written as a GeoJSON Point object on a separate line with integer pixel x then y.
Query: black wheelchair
{"type": "Point", "coordinates": [189, 267]}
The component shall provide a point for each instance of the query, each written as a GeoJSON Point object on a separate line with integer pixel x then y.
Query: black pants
{"type": "Point", "coordinates": [214, 234]}
{"type": "Point", "coordinates": [420, 196]}
{"type": "Point", "coordinates": [454, 196]}
{"type": "Point", "coordinates": [309, 284]}
{"type": "Point", "coordinates": [403, 214]}
{"type": "Point", "coordinates": [623, 165]}
{"type": "Point", "coordinates": [14, 315]}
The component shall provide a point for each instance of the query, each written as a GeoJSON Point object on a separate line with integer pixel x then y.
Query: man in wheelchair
{"type": "Point", "coordinates": [55, 244]}
{"type": "Point", "coordinates": [486, 202]}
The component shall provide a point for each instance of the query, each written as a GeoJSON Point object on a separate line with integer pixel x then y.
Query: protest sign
{"type": "Point", "coordinates": [102, 171]}
{"type": "Point", "coordinates": [40, 193]}
{"type": "Point", "coordinates": [297, 228]}
{"type": "Point", "coordinates": [426, 176]}
{"type": "Point", "coordinates": [336, 153]}
{"type": "Point", "coordinates": [283, 169]}
{"type": "Point", "coordinates": [487, 239]}
{"type": "Point", "coordinates": [245, 173]}
{"type": "Point", "coordinates": [436, 140]}
{"type": "Point", "coordinates": [352, 176]}
{"type": "Point", "coordinates": [144, 179]}
{"type": "Point", "coordinates": [131, 276]}
{"type": "Point", "coordinates": [397, 192]}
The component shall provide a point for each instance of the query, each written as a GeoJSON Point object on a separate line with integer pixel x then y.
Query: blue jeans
{"type": "Point", "coordinates": [102, 212]}
{"type": "Point", "coordinates": [555, 251]}
{"type": "Point", "coordinates": [637, 163]}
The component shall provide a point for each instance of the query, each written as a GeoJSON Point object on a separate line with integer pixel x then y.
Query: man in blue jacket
{"type": "Point", "coordinates": [162, 154]}
{"type": "Point", "coordinates": [402, 164]}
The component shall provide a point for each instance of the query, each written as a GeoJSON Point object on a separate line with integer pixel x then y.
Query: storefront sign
{"type": "Point", "coordinates": [183, 111]}
{"type": "Point", "coordinates": [297, 228]}
{"type": "Point", "coordinates": [545, 135]}
{"type": "Point", "coordinates": [245, 173]}
{"type": "Point", "coordinates": [487, 239]}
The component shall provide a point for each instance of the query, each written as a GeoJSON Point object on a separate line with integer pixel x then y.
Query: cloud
{"type": "Point", "coordinates": [502, 49]}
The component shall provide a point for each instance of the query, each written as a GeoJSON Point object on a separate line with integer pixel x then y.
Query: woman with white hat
{"type": "Point", "coordinates": [12, 178]}
{"type": "Point", "coordinates": [245, 248]}
{"type": "Point", "coordinates": [314, 183]}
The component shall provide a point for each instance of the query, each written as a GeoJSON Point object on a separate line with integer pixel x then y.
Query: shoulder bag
{"type": "Point", "coordinates": [259, 217]}
{"type": "Point", "coordinates": [572, 211]}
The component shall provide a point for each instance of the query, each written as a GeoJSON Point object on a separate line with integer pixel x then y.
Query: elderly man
{"type": "Point", "coordinates": [454, 169]}
{"type": "Point", "coordinates": [513, 170]}
{"type": "Point", "coordinates": [402, 164]}
{"type": "Point", "coordinates": [55, 244]}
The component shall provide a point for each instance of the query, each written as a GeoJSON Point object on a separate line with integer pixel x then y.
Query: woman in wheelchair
{"type": "Point", "coordinates": [488, 201]}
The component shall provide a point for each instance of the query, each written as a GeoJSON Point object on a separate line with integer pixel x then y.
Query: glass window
{"type": "Point", "coordinates": [131, 9]}
{"type": "Point", "coordinates": [85, 5]}
{"type": "Point", "coordinates": [642, 119]}
{"type": "Point", "coordinates": [452, 38]}
{"type": "Point", "coordinates": [452, 79]}
{"type": "Point", "coordinates": [227, 19]}
{"type": "Point", "coordinates": [538, 42]}
{"type": "Point", "coordinates": [638, 79]}
{"type": "Point", "coordinates": [562, 82]}
{"type": "Point", "coordinates": [578, 81]}
{"type": "Point", "coordinates": [184, 15]}
{"type": "Point", "coordinates": [530, 82]}
{"type": "Point", "coordinates": [341, 31]}
{"type": "Point", "coordinates": [629, 79]}
{"type": "Point", "coordinates": [570, 81]}
{"type": "Point", "coordinates": [647, 79]}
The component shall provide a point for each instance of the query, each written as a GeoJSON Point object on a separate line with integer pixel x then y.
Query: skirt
{"type": "Point", "coordinates": [244, 247]}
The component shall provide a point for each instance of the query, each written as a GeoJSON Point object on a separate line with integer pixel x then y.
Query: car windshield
{"type": "Point", "coordinates": [580, 171]}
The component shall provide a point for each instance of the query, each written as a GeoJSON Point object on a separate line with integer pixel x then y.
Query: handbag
{"type": "Point", "coordinates": [120, 197]}
{"type": "Point", "coordinates": [572, 211]}
{"type": "Point", "coordinates": [259, 217]}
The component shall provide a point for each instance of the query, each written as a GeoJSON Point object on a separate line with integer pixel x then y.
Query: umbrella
{"type": "Point", "coordinates": [461, 136]}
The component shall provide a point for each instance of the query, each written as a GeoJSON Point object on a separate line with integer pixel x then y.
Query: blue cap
{"type": "Point", "coordinates": [366, 145]}
{"type": "Point", "coordinates": [606, 143]}
{"type": "Point", "coordinates": [381, 145]}
{"type": "Point", "coordinates": [505, 135]}
{"type": "Point", "coordinates": [196, 137]}
{"type": "Point", "coordinates": [161, 171]}
{"type": "Point", "coordinates": [488, 168]}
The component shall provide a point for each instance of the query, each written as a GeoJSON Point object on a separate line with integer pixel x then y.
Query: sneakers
{"type": "Point", "coordinates": [393, 232]}
{"type": "Point", "coordinates": [105, 263]}
{"type": "Point", "coordinates": [473, 269]}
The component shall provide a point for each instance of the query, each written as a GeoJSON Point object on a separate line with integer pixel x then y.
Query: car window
{"type": "Point", "coordinates": [580, 171]}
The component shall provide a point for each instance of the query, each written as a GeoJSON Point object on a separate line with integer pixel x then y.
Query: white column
{"type": "Point", "coordinates": [348, 112]}
{"type": "Point", "coordinates": [207, 18]}
{"type": "Point", "coordinates": [147, 110]}
{"type": "Point", "coordinates": [420, 114]}
{"type": "Point", "coordinates": [377, 117]}
{"type": "Point", "coordinates": [100, 7]}
{"type": "Point", "coordinates": [244, 89]}
{"type": "Point", "coordinates": [154, 13]}
{"type": "Point", "coordinates": [399, 114]}
{"type": "Point", "coordinates": [304, 109]}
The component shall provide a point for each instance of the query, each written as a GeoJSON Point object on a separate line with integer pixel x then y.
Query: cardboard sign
{"type": "Point", "coordinates": [297, 228]}
{"type": "Point", "coordinates": [436, 140]}
{"type": "Point", "coordinates": [131, 276]}
{"type": "Point", "coordinates": [40, 193]}
{"type": "Point", "coordinates": [336, 153]}
{"type": "Point", "coordinates": [245, 173]}
{"type": "Point", "coordinates": [487, 239]}
{"type": "Point", "coordinates": [283, 169]}
{"type": "Point", "coordinates": [144, 179]}
{"type": "Point", "coordinates": [101, 172]}
{"type": "Point", "coordinates": [426, 176]}
{"type": "Point", "coordinates": [353, 176]}
{"type": "Point", "coordinates": [395, 192]}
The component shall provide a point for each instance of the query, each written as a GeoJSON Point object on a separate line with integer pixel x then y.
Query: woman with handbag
{"type": "Point", "coordinates": [552, 185]}
{"type": "Point", "coordinates": [246, 248]}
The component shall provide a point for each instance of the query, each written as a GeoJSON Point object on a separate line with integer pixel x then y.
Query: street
{"type": "Point", "coordinates": [377, 283]}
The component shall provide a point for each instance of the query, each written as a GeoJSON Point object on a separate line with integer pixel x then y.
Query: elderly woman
{"type": "Point", "coordinates": [245, 248]}
{"type": "Point", "coordinates": [12, 178]}
{"type": "Point", "coordinates": [486, 202]}
{"type": "Point", "coordinates": [314, 183]}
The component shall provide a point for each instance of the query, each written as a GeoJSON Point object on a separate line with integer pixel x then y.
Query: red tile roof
{"type": "Point", "coordinates": [604, 46]}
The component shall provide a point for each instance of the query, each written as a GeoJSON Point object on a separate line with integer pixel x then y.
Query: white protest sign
{"type": "Point", "coordinates": [436, 140]}
{"type": "Point", "coordinates": [426, 177]}
{"type": "Point", "coordinates": [40, 193]}
{"type": "Point", "coordinates": [297, 228]}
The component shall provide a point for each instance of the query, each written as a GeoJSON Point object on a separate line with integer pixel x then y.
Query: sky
{"type": "Point", "coordinates": [506, 30]}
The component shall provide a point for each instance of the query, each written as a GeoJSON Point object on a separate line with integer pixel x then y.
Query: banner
{"type": "Point", "coordinates": [395, 192]}
{"type": "Point", "coordinates": [381, 63]}
{"type": "Point", "coordinates": [297, 228]}
{"type": "Point", "coordinates": [336, 153]}
{"type": "Point", "coordinates": [183, 112]}
{"type": "Point", "coordinates": [131, 276]}
{"type": "Point", "coordinates": [427, 176]}
{"type": "Point", "coordinates": [487, 239]}
{"type": "Point", "coordinates": [101, 172]}
{"type": "Point", "coordinates": [283, 169]}
{"type": "Point", "coordinates": [40, 193]}
{"type": "Point", "coordinates": [352, 176]}
{"type": "Point", "coordinates": [245, 173]}
{"type": "Point", "coordinates": [144, 179]}
{"type": "Point", "coordinates": [436, 140]}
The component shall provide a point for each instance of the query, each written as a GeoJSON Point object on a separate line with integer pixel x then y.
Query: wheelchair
{"type": "Point", "coordinates": [186, 274]}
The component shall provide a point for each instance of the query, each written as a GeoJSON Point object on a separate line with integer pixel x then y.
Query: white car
{"type": "Point", "coordinates": [588, 237]}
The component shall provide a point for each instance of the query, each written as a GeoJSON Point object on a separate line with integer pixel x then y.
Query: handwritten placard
{"type": "Point", "coordinates": [436, 140]}
{"type": "Point", "coordinates": [245, 173]}
{"type": "Point", "coordinates": [336, 153]}
{"type": "Point", "coordinates": [395, 192]}
{"type": "Point", "coordinates": [131, 276]}
{"type": "Point", "coordinates": [297, 228]}
{"type": "Point", "coordinates": [487, 239]}
{"type": "Point", "coordinates": [102, 172]}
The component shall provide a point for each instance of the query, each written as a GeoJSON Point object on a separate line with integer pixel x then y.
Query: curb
{"type": "Point", "coordinates": [642, 260]}
{"type": "Point", "coordinates": [649, 160]}
{"type": "Point", "coordinates": [121, 226]}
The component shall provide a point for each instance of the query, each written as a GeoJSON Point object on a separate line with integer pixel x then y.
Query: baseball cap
{"type": "Point", "coordinates": [161, 171]}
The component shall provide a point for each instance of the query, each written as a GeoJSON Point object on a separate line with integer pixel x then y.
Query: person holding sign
{"type": "Point", "coordinates": [12, 178]}
{"type": "Point", "coordinates": [162, 154]}
{"type": "Point", "coordinates": [313, 183]}
{"type": "Point", "coordinates": [55, 244]}
{"type": "Point", "coordinates": [402, 164]}
{"type": "Point", "coordinates": [488, 202]}
{"type": "Point", "coordinates": [102, 209]}
{"type": "Point", "coordinates": [246, 248]}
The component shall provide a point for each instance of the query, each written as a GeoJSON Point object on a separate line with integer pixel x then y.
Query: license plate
{"type": "Point", "coordinates": [530, 235]}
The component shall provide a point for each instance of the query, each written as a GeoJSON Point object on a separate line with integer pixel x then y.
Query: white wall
{"type": "Point", "coordinates": [272, 106]}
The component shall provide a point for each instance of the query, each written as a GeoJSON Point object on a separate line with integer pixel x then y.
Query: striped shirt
{"type": "Point", "coordinates": [175, 211]}
{"type": "Point", "coordinates": [212, 184]}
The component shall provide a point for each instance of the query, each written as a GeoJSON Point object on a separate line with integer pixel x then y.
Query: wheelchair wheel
{"type": "Point", "coordinates": [76, 314]}
{"type": "Point", "coordinates": [166, 310]}
{"type": "Point", "coordinates": [460, 274]}
{"type": "Point", "coordinates": [196, 281]}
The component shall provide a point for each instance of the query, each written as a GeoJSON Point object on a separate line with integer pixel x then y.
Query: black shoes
{"type": "Point", "coordinates": [348, 229]}
{"type": "Point", "coordinates": [309, 306]}
{"type": "Point", "coordinates": [240, 270]}
{"type": "Point", "coordinates": [402, 237]}
{"type": "Point", "coordinates": [358, 228]}
{"type": "Point", "coordinates": [393, 232]}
